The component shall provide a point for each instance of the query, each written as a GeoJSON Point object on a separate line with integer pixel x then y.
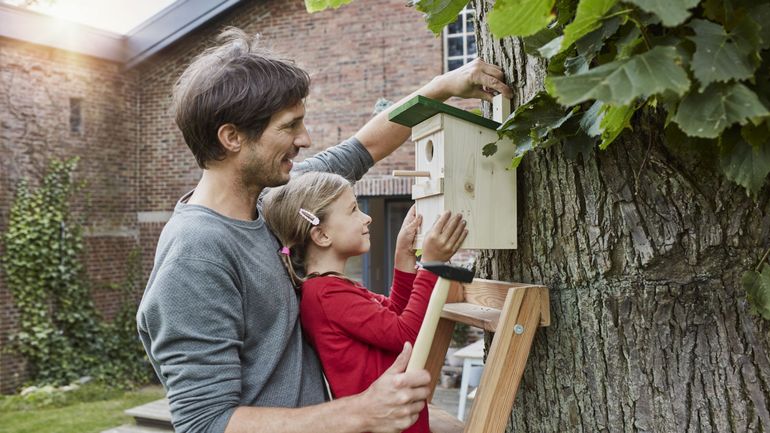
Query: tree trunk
{"type": "Point", "coordinates": [643, 247]}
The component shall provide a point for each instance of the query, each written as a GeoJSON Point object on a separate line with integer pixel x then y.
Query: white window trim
{"type": "Point", "coordinates": [464, 35]}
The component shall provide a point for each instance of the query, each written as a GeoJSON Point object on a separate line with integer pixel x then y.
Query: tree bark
{"type": "Point", "coordinates": [643, 246]}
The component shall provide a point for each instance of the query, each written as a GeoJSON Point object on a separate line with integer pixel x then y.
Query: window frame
{"type": "Point", "coordinates": [463, 34]}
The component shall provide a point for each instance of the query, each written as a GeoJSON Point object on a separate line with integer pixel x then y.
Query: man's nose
{"type": "Point", "coordinates": [303, 139]}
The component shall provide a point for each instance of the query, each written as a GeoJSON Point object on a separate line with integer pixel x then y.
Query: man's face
{"type": "Point", "coordinates": [266, 162]}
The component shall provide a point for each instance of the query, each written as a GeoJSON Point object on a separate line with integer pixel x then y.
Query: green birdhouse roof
{"type": "Point", "coordinates": [420, 108]}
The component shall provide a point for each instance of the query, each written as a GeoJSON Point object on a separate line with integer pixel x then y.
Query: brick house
{"type": "Point", "coordinates": [71, 90]}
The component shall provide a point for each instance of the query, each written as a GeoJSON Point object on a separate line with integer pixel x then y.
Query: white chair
{"type": "Point", "coordinates": [473, 362]}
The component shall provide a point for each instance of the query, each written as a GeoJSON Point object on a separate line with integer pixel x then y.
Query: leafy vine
{"type": "Point", "coordinates": [61, 334]}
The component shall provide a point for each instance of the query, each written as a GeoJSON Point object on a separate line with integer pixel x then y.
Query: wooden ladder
{"type": "Point", "coordinates": [513, 311]}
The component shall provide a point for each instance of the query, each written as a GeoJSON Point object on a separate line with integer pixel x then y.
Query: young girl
{"type": "Point", "coordinates": [357, 333]}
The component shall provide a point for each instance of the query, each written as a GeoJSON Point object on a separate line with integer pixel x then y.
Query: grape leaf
{"type": "Point", "coordinates": [593, 42]}
{"type": "Point", "coordinates": [440, 13]}
{"type": "Point", "coordinates": [519, 17]}
{"type": "Point", "coordinates": [591, 120]}
{"type": "Point", "coordinates": [671, 12]}
{"type": "Point", "coordinates": [757, 287]}
{"type": "Point", "coordinates": [743, 163]}
{"type": "Point", "coordinates": [620, 82]}
{"type": "Point", "coordinates": [531, 124]}
{"type": "Point", "coordinates": [761, 15]}
{"type": "Point", "coordinates": [724, 11]}
{"type": "Point", "coordinates": [319, 5]}
{"type": "Point", "coordinates": [756, 135]}
{"type": "Point", "coordinates": [552, 48]}
{"type": "Point", "coordinates": [532, 44]}
{"type": "Point", "coordinates": [717, 55]}
{"type": "Point", "coordinates": [588, 18]}
{"type": "Point", "coordinates": [613, 121]}
{"type": "Point", "coordinates": [706, 114]}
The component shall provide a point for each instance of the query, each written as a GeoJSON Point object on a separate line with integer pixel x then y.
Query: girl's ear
{"type": "Point", "coordinates": [319, 237]}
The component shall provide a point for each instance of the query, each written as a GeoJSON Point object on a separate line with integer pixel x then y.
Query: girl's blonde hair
{"type": "Point", "coordinates": [314, 192]}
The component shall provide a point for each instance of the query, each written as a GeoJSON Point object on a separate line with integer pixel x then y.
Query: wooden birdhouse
{"type": "Point", "coordinates": [452, 174]}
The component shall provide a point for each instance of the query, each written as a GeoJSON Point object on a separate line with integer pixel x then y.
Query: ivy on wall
{"type": "Point", "coordinates": [703, 63]}
{"type": "Point", "coordinates": [61, 335]}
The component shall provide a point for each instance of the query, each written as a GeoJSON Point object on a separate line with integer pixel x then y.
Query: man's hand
{"type": "Point", "coordinates": [476, 79]}
{"type": "Point", "coordinates": [404, 257]}
{"type": "Point", "coordinates": [444, 238]}
{"type": "Point", "coordinates": [395, 399]}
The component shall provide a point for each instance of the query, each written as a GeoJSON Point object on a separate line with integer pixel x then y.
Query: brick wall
{"type": "Point", "coordinates": [36, 85]}
{"type": "Point", "coordinates": [132, 155]}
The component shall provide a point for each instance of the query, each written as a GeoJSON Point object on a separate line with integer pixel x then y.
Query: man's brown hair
{"type": "Point", "coordinates": [235, 82]}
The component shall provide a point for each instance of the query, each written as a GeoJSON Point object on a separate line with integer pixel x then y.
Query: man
{"type": "Point", "coordinates": [219, 318]}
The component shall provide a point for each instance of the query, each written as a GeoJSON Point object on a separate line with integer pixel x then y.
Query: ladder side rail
{"type": "Point", "coordinates": [506, 362]}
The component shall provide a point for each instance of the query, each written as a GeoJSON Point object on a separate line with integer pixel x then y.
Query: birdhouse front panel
{"type": "Point", "coordinates": [452, 174]}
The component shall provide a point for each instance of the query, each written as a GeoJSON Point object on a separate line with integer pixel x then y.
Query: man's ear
{"type": "Point", "coordinates": [230, 138]}
{"type": "Point", "coordinates": [319, 237]}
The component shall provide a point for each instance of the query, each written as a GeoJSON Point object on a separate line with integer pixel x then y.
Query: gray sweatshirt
{"type": "Point", "coordinates": [219, 318]}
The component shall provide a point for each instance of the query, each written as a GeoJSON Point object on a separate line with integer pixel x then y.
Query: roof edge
{"type": "Point", "coordinates": [156, 33]}
{"type": "Point", "coordinates": [169, 25]}
{"type": "Point", "coordinates": [30, 26]}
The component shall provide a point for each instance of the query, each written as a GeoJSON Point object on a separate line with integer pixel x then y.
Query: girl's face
{"type": "Point", "coordinates": [346, 226]}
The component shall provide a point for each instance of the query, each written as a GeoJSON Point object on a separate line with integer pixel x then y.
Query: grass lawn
{"type": "Point", "coordinates": [78, 417]}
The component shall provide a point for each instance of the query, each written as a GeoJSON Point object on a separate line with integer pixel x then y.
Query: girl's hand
{"type": "Point", "coordinates": [444, 238]}
{"type": "Point", "coordinates": [404, 258]}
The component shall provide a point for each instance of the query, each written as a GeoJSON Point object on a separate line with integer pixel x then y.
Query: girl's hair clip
{"type": "Point", "coordinates": [285, 251]}
{"type": "Point", "coordinates": [309, 216]}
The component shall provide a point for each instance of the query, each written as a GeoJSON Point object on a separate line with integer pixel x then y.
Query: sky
{"type": "Point", "coordinates": [117, 16]}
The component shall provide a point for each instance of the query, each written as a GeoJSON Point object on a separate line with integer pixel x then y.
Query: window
{"type": "Point", "coordinates": [460, 40]}
{"type": "Point", "coordinates": [76, 115]}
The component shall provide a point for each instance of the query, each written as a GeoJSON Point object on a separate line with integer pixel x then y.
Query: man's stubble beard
{"type": "Point", "coordinates": [257, 174]}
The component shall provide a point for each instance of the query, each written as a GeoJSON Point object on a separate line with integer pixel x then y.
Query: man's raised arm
{"type": "Point", "coordinates": [476, 79]}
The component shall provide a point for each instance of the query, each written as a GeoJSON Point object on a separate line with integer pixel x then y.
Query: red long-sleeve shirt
{"type": "Point", "coordinates": [358, 334]}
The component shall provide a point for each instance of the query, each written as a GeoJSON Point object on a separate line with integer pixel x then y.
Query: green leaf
{"type": "Point", "coordinates": [706, 114]}
{"type": "Point", "coordinates": [717, 56]}
{"type": "Point", "coordinates": [628, 43]}
{"type": "Point", "coordinates": [552, 48]}
{"type": "Point", "coordinates": [620, 82]}
{"type": "Point", "coordinates": [489, 149]}
{"type": "Point", "coordinates": [725, 11]}
{"type": "Point", "coordinates": [591, 120]}
{"type": "Point", "coordinates": [588, 18]}
{"type": "Point", "coordinates": [614, 120]}
{"type": "Point", "coordinates": [757, 287]}
{"type": "Point", "coordinates": [606, 121]}
{"type": "Point", "coordinates": [532, 44]}
{"type": "Point", "coordinates": [761, 15]}
{"type": "Point", "coordinates": [319, 5]}
{"type": "Point", "coordinates": [519, 17]}
{"type": "Point", "coordinates": [671, 12]}
{"type": "Point", "coordinates": [593, 42]}
{"type": "Point", "coordinates": [756, 135]}
{"type": "Point", "coordinates": [743, 163]}
{"type": "Point", "coordinates": [440, 13]}
{"type": "Point", "coordinates": [531, 124]}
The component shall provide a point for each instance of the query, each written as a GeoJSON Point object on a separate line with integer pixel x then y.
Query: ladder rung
{"type": "Point", "coordinates": [443, 422]}
{"type": "Point", "coordinates": [479, 316]}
